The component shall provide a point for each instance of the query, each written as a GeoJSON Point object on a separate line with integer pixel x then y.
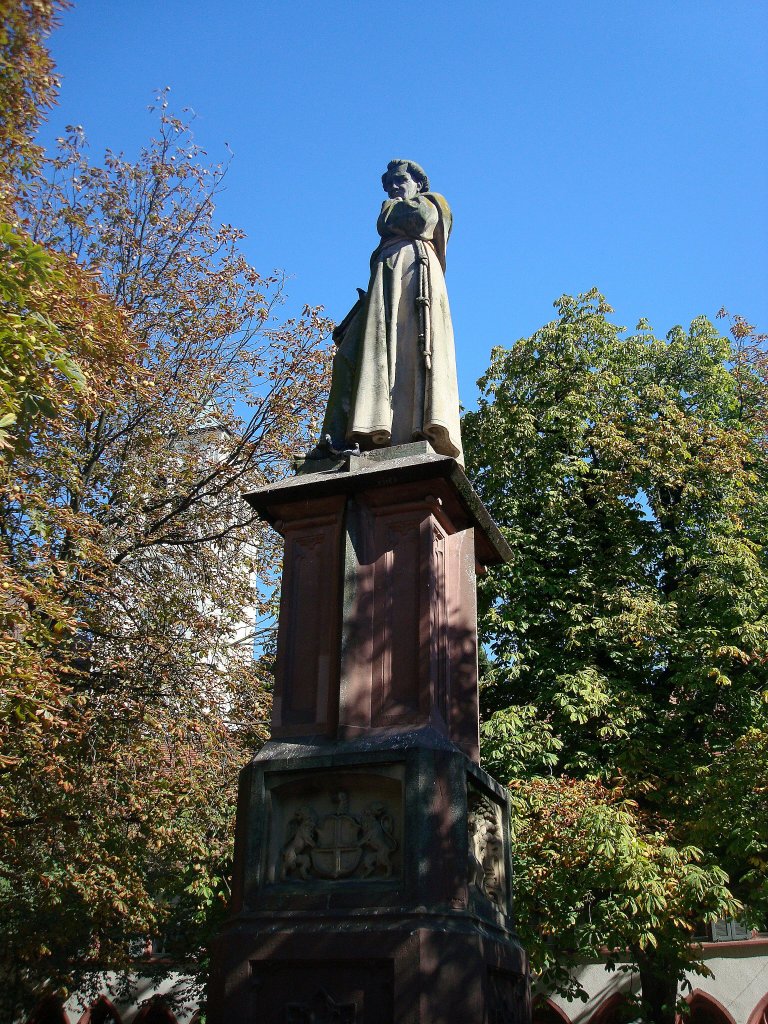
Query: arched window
{"type": "Point", "coordinates": [155, 1012]}
{"type": "Point", "coordinates": [760, 1013]}
{"type": "Point", "coordinates": [615, 1010]}
{"type": "Point", "coordinates": [49, 1011]}
{"type": "Point", "coordinates": [546, 1012]}
{"type": "Point", "coordinates": [705, 1009]}
{"type": "Point", "coordinates": [102, 1012]}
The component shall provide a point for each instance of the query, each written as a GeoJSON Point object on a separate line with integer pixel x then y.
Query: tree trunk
{"type": "Point", "coordinates": [659, 991]}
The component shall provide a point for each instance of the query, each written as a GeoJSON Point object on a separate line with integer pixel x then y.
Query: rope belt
{"type": "Point", "coordinates": [422, 303]}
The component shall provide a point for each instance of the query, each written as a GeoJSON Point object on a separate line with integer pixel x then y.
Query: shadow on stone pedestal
{"type": "Point", "coordinates": [372, 864]}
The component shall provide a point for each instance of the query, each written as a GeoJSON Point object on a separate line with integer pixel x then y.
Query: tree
{"type": "Point", "coordinates": [162, 386]}
{"type": "Point", "coordinates": [592, 875]}
{"type": "Point", "coordinates": [28, 86]}
{"type": "Point", "coordinates": [32, 349]}
{"type": "Point", "coordinates": [628, 637]}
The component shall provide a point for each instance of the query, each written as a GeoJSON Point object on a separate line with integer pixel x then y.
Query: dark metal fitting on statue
{"type": "Point", "coordinates": [341, 453]}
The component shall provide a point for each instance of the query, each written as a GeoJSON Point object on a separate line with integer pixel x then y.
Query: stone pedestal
{"type": "Point", "coordinates": [372, 865]}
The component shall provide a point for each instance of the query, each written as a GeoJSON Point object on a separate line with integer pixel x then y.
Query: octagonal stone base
{"type": "Point", "coordinates": [372, 884]}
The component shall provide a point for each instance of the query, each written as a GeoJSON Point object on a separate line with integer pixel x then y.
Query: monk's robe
{"type": "Point", "coordinates": [395, 370]}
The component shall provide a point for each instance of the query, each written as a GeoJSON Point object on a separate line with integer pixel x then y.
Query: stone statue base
{"type": "Point", "coordinates": [372, 863]}
{"type": "Point", "coordinates": [375, 888]}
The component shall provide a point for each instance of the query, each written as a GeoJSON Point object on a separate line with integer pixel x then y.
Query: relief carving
{"type": "Point", "coordinates": [486, 847]}
{"type": "Point", "coordinates": [339, 845]}
{"type": "Point", "coordinates": [302, 836]}
{"type": "Point", "coordinates": [321, 1009]}
{"type": "Point", "coordinates": [337, 852]}
{"type": "Point", "coordinates": [377, 840]}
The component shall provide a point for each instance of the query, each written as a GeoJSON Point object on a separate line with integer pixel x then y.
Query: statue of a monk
{"type": "Point", "coordinates": [394, 374]}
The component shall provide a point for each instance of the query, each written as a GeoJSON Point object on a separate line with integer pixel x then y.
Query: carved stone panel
{"type": "Point", "coordinates": [438, 631]}
{"type": "Point", "coordinates": [318, 991]}
{"type": "Point", "coordinates": [461, 618]}
{"type": "Point", "coordinates": [306, 693]}
{"type": "Point", "coordinates": [486, 847]}
{"type": "Point", "coordinates": [335, 826]}
{"type": "Point", "coordinates": [398, 630]}
{"type": "Point", "coordinates": [321, 1009]}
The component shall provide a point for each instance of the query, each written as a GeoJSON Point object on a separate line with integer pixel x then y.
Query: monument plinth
{"type": "Point", "coordinates": [372, 866]}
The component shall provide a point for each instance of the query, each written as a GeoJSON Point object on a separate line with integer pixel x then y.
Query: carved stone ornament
{"type": "Point", "coordinates": [486, 847]}
{"type": "Point", "coordinates": [339, 845]}
{"type": "Point", "coordinates": [321, 1009]}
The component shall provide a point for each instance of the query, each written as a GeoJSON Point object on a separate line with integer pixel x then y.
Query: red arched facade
{"type": "Point", "coordinates": [49, 1011]}
{"type": "Point", "coordinates": [546, 1012]}
{"type": "Point", "coordinates": [102, 1012]}
{"type": "Point", "coordinates": [612, 1011]}
{"type": "Point", "coordinates": [154, 1012]}
{"type": "Point", "coordinates": [705, 1009]}
{"type": "Point", "coordinates": [760, 1013]}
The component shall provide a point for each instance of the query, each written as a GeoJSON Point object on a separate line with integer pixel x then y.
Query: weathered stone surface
{"type": "Point", "coordinates": [383, 468]}
{"type": "Point", "coordinates": [372, 874]}
{"type": "Point", "coordinates": [345, 971]}
{"type": "Point", "coordinates": [396, 809]}
{"type": "Point", "coordinates": [431, 920]}
{"type": "Point", "coordinates": [377, 617]}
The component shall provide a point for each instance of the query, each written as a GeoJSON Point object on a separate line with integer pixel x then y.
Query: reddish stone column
{"type": "Point", "coordinates": [306, 701]}
{"type": "Point", "coordinates": [372, 867]}
{"type": "Point", "coordinates": [377, 623]}
{"type": "Point", "coordinates": [410, 645]}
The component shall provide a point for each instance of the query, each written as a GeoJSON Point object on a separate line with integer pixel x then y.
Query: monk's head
{"type": "Point", "coordinates": [404, 179]}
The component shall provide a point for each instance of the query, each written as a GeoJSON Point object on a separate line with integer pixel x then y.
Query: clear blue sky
{"type": "Point", "coordinates": [614, 143]}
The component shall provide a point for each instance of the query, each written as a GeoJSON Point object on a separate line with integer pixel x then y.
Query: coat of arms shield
{"type": "Point", "coordinates": [337, 851]}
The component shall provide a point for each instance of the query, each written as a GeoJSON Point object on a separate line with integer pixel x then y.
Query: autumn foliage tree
{"type": "Point", "coordinates": [28, 85]}
{"type": "Point", "coordinates": [146, 382]}
{"type": "Point", "coordinates": [625, 697]}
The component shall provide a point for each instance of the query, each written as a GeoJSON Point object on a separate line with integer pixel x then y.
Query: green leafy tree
{"type": "Point", "coordinates": [592, 875]}
{"type": "Point", "coordinates": [628, 636]}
